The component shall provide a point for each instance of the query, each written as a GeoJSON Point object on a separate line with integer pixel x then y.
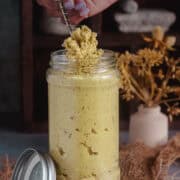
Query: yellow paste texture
{"type": "Point", "coordinates": [84, 125]}
{"type": "Point", "coordinates": [82, 48]}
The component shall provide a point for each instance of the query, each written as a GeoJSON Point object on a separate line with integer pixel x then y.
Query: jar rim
{"type": "Point", "coordinates": [59, 58]}
{"type": "Point", "coordinates": [60, 62]}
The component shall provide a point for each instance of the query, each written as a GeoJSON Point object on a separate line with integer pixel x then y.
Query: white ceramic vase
{"type": "Point", "coordinates": [149, 125]}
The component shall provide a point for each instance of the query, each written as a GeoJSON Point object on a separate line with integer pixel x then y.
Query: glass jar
{"type": "Point", "coordinates": [84, 119]}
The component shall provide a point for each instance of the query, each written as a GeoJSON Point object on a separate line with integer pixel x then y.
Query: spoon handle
{"type": "Point", "coordinates": [65, 15]}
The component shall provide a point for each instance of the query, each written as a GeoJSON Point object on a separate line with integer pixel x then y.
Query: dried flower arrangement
{"type": "Point", "coordinates": [6, 169]}
{"type": "Point", "coordinates": [148, 74]}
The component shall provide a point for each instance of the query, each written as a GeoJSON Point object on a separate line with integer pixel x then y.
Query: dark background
{"type": "Point", "coordinates": [24, 57]}
{"type": "Point", "coordinates": [9, 59]}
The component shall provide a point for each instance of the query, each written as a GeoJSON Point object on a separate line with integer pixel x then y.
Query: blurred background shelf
{"type": "Point", "coordinates": [107, 39]}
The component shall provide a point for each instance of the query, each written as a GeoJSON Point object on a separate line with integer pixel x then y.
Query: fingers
{"type": "Point", "coordinates": [79, 4]}
{"type": "Point", "coordinates": [69, 4]}
{"type": "Point", "coordinates": [79, 12]}
{"type": "Point", "coordinates": [74, 17]}
{"type": "Point", "coordinates": [77, 9]}
{"type": "Point", "coordinates": [52, 4]}
{"type": "Point", "coordinates": [82, 8]}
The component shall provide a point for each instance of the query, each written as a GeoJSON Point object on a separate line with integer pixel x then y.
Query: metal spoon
{"type": "Point", "coordinates": [65, 15]}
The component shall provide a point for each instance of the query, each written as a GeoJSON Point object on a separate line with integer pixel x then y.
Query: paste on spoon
{"type": "Point", "coordinates": [81, 47]}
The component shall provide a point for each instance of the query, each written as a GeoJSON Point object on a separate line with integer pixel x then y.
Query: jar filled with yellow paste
{"type": "Point", "coordinates": [84, 118]}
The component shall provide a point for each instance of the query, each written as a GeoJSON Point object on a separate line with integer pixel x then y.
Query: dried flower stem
{"type": "Point", "coordinates": [137, 88]}
{"type": "Point", "coordinates": [7, 169]}
{"type": "Point", "coordinates": [169, 100]}
{"type": "Point", "coordinates": [152, 83]}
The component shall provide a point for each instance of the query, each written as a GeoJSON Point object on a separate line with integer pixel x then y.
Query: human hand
{"type": "Point", "coordinates": [77, 10]}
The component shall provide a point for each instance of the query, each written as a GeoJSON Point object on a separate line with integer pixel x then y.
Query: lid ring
{"type": "Point", "coordinates": [28, 161]}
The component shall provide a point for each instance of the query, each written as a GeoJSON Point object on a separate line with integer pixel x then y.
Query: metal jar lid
{"type": "Point", "coordinates": [33, 165]}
